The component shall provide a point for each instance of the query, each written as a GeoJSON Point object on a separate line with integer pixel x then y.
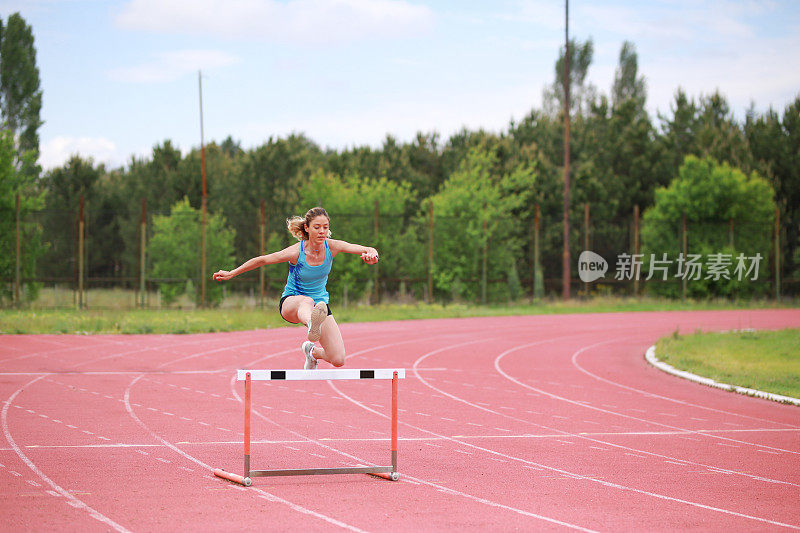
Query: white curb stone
{"type": "Point", "coordinates": [650, 355]}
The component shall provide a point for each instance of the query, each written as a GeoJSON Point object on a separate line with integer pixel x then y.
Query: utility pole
{"type": "Point", "coordinates": [205, 197]}
{"type": "Point", "coordinates": [566, 259]}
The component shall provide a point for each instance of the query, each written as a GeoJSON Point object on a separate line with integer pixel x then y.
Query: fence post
{"type": "Point", "coordinates": [377, 270]}
{"type": "Point", "coordinates": [81, 244]}
{"type": "Point", "coordinates": [777, 253]}
{"type": "Point", "coordinates": [484, 261]}
{"type": "Point", "coordinates": [730, 233]}
{"type": "Point", "coordinates": [262, 230]}
{"type": "Point", "coordinates": [636, 247]}
{"type": "Point", "coordinates": [203, 247]}
{"type": "Point", "coordinates": [537, 274]}
{"type": "Point", "coordinates": [684, 233]}
{"type": "Point", "coordinates": [17, 261]}
{"type": "Point", "coordinates": [586, 239]}
{"type": "Point", "coordinates": [143, 255]}
{"type": "Point", "coordinates": [430, 253]}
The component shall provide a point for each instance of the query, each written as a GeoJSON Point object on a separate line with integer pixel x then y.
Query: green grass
{"type": "Point", "coordinates": [763, 360]}
{"type": "Point", "coordinates": [114, 320]}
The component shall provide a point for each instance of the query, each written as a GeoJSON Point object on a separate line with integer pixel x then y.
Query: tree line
{"type": "Point", "coordinates": [486, 189]}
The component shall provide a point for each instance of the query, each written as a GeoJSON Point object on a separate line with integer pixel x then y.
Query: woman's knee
{"type": "Point", "coordinates": [336, 359]}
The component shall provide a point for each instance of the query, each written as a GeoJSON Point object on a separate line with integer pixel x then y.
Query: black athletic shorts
{"type": "Point", "coordinates": [280, 306]}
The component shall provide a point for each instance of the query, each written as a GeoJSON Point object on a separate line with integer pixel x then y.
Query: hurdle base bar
{"type": "Point", "coordinates": [391, 476]}
{"type": "Point", "coordinates": [241, 480]}
{"type": "Point", "coordinates": [386, 472]}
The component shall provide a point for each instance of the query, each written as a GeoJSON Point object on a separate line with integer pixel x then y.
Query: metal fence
{"type": "Point", "coordinates": [91, 258]}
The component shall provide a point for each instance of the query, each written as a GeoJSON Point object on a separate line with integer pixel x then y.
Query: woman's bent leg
{"type": "Point", "coordinates": [297, 309]}
{"type": "Point", "coordinates": [330, 348]}
{"type": "Point", "coordinates": [332, 343]}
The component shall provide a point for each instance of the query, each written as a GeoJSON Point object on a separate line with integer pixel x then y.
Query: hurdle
{"type": "Point", "coordinates": [248, 376]}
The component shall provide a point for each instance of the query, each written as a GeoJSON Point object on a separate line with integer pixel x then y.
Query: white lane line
{"type": "Point", "coordinates": [383, 438]}
{"type": "Point", "coordinates": [769, 451]}
{"type": "Point", "coordinates": [75, 502]}
{"type": "Point", "coordinates": [447, 490]}
{"type": "Point", "coordinates": [459, 493]}
{"type": "Point", "coordinates": [619, 446]}
{"type": "Point", "coordinates": [605, 483]}
{"type": "Point", "coordinates": [649, 394]}
{"type": "Point", "coordinates": [271, 497]}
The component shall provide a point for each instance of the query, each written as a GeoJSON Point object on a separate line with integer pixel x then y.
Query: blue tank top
{"type": "Point", "coordinates": [309, 280]}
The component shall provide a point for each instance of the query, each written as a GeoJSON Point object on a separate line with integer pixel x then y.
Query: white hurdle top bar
{"type": "Point", "coordinates": [320, 374]}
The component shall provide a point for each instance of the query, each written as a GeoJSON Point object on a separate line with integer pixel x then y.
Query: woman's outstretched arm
{"type": "Point", "coordinates": [287, 254]}
{"type": "Point", "coordinates": [367, 253]}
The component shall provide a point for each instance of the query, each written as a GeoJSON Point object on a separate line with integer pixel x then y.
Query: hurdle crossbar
{"type": "Point", "coordinates": [248, 376]}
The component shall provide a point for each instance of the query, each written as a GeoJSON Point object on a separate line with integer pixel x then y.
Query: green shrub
{"type": "Point", "coordinates": [174, 252]}
{"type": "Point", "coordinates": [728, 215]}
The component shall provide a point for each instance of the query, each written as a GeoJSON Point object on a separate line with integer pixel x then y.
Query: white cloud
{"type": "Point", "coordinates": [545, 14]}
{"type": "Point", "coordinates": [401, 116]}
{"type": "Point", "coordinates": [170, 66]}
{"type": "Point", "coordinates": [742, 75]}
{"type": "Point", "coordinates": [690, 22]}
{"type": "Point", "coordinates": [57, 151]}
{"type": "Point", "coordinates": [295, 21]}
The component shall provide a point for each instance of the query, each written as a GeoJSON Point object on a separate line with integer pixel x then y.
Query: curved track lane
{"type": "Point", "coordinates": [542, 422]}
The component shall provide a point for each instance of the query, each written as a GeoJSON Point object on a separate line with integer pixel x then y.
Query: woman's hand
{"type": "Point", "coordinates": [222, 275]}
{"type": "Point", "coordinates": [370, 257]}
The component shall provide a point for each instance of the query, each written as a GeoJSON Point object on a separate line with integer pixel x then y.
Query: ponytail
{"type": "Point", "coordinates": [297, 225]}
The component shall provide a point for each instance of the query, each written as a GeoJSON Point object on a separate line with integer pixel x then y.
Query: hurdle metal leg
{"type": "Point", "coordinates": [245, 479]}
{"type": "Point", "coordinates": [392, 475]}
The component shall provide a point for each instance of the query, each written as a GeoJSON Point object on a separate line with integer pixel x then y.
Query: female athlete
{"type": "Point", "coordinates": [305, 298]}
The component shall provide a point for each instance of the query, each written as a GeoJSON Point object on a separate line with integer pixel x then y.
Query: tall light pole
{"type": "Point", "coordinates": [205, 196]}
{"type": "Point", "coordinates": [565, 266]}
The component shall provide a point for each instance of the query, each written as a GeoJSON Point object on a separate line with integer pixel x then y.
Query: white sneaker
{"type": "Point", "coordinates": [311, 362]}
{"type": "Point", "coordinates": [318, 316]}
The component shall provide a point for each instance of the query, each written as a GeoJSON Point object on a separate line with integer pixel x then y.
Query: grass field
{"type": "Point", "coordinates": [763, 360]}
{"type": "Point", "coordinates": [246, 318]}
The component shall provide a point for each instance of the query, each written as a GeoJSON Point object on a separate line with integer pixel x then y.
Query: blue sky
{"type": "Point", "coordinates": [121, 76]}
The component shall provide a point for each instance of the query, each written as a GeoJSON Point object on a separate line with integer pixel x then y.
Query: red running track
{"type": "Point", "coordinates": [530, 423]}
